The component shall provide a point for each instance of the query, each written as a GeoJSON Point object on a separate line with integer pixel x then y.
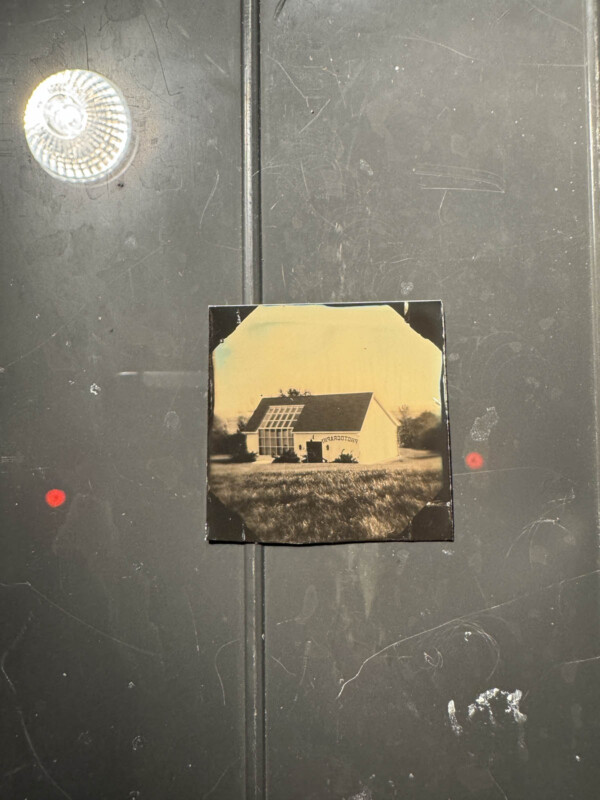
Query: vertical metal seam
{"type": "Point", "coordinates": [592, 21]}
{"type": "Point", "coordinates": [254, 564]}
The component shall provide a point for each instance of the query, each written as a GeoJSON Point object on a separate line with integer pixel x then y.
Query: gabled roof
{"type": "Point", "coordinates": [321, 412]}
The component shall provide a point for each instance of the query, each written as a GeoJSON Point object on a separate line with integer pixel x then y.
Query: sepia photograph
{"type": "Point", "coordinates": [328, 423]}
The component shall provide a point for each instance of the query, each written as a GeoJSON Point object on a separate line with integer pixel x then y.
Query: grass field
{"type": "Point", "coordinates": [304, 503]}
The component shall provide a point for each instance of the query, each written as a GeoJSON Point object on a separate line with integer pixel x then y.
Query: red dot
{"type": "Point", "coordinates": [474, 460]}
{"type": "Point", "coordinates": [55, 498]}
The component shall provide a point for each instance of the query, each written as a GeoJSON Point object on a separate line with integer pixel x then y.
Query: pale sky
{"type": "Point", "coordinates": [325, 350]}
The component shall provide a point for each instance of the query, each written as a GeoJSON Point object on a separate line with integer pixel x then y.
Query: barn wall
{"type": "Point", "coordinates": [378, 439]}
{"type": "Point", "coordinates": [338, 442]}
{"type": "Point", "coordinates": [252, 442]}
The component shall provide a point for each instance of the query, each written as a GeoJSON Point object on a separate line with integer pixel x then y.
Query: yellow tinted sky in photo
{"type": "Point", "coordinates": [324, 349]}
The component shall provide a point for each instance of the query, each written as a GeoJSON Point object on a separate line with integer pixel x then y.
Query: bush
{"type": "Point", "coordinates": [221, 442]}
{"type": "Point", "coordinates": [345, 458]}
{"type": "Point", "coordinates": [287, 457]}
{"type": "Point", "coordinates": [432, 439]}
{"type": "Point", "coordinates": [244, 457]}
{"type": "Point", "coordinates": [239, 453]}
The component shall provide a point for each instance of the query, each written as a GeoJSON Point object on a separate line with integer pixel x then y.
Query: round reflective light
{"type": "Point", "coordinates": [78, 126]}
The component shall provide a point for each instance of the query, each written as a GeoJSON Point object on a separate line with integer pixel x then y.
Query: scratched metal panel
{"type": "Point", "coordinates": [440, 150]}
{"type": "Point", "coordinates": [122, 630]}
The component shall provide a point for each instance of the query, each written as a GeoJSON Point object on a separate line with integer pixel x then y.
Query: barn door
{"type": "Point", "coordinates": [314, 451]}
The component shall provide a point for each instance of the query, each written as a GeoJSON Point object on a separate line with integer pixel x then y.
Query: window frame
{"type": "Point", "coordinates": [276, 430]}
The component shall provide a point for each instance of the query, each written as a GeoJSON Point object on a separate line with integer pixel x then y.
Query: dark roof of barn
{"type": "Point", "coordinates": [321, 412]}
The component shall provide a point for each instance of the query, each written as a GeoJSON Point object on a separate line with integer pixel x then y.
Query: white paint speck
{"type": "Point", "coordinates": [95, 389]}
{"type": "Point", "coordinates": [482, 427]}
{"type": "Point", "coordinates": [364, 794]}
{"type": "Point", "coordinates": [456, 727]}
{"type": "Point", "coordinates": [483, 704]}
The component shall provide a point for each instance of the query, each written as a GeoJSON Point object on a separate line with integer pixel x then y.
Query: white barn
{"type": "Point", "coordinates": [321, 427]}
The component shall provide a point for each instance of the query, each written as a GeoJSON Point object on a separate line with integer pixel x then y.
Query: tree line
{"type": "Point", "coordinates": [423, 432]}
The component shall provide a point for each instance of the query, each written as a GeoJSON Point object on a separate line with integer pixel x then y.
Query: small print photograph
{"type": "Point", "coordinates": [328, 423]}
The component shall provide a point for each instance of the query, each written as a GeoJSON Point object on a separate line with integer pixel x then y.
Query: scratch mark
{"type": "Point", "coordinates": [554, 667]}
{"type": "Point", "coordinates": [402, 260]}
{"type": "Point", "coordinates": [162, 69]}
{"type": "Point", "coordinates": [87, 53]}
{"type": "Point", "coordinates": [304, 179]}
{"type": "Point", "coordinates": [289, 77]}
{"type": "Point", "coordinates": [531, 531]}
{"type": "Point", "coordinates": [214, 63]}
{"type": "Point", "coordinates": [307, 648]}
{"type": "Point", "coordinates": [461, 189]}
{"type": "Point", "coordinates": [193, 616]}
{"type": "Point", "coordinates": [455, 620]}
{"type": "Point", "coordinates": [85, 624]}
{"type": "Point", "coordinates": [220, 778]}
{"type": "Point", "coordinates": [548, 64]}
{"type": "Point", "coordinates": [556, 19]}
{"type": "Point", "coordinates": [505, 469]}
{"type": "Point", "coordinates": [33, 22]}
{"type": "Point", "coordinates": [475, 179]}
{"type": "Point", "coordinates": [279, 8]}
{"type": "Point", "coordinates": [441, 44]}
{"type": "Point", "coordinates": [19, 710]}
{"type": "Point", "coordinates": [15, 642]}
{"type": "Point", "coordinates": [335, 75]}
{"type": "Point", "coordinates": [500, 789]}
{"type": "Point", "coordinates": [210, 197]}
{"type": "Point", "coordinates": [222, 647]}
{"type": "Point", "coordinates": [316, 116]}
{"type": "Point", "coordinates": [490, 641]}
{"type": "Point", "coordinates": [293, 674]}
{"type": "Point", "coordinates": [440, 208]}
{"type": "Point", "coordinates": [580, 661]}
{"type": "Point", "coordinates": [222, 246]}
{"type": "Point", "coordinates": [15, 771]}
{"type": "Point", "coordinates": [501, 16]}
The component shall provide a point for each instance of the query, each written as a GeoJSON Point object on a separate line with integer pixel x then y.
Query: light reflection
{"type": "Point", "coordinates": [78, 126]}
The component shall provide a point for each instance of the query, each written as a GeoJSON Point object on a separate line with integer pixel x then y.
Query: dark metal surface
{"type": "Point", "coordinates": [409, 151]}
{"type": "Point", "coordinates": [425, 150]}
{"type": "Point", "coordinates": [122, 633]}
